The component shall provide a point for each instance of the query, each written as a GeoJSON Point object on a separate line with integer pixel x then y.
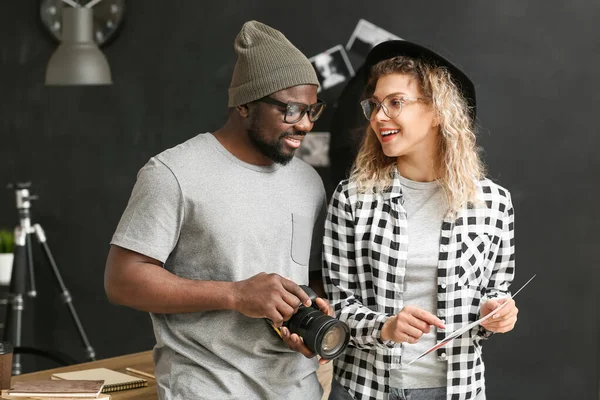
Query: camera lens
{"type": "Point", "coordinates": [321, 333]}
{"type": "Point", "coordinates": [333, 341]}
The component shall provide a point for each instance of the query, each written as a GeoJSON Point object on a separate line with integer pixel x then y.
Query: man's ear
{"type": "Point", "coordinates": [243, 110]}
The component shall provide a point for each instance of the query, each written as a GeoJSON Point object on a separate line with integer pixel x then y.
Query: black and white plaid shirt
{"type": "Point", "coordinates": [365, 252]}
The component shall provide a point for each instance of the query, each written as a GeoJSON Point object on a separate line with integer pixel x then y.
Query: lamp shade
{"type": "Point", "coordinates": [78, 60]}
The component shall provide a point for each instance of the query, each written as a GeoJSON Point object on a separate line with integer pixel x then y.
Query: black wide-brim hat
{"type": "Point", "coordinates": [394, 48]}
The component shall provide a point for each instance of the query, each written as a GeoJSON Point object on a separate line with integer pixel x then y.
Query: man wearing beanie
{"type": "Point", "coordinates": [217, 236]}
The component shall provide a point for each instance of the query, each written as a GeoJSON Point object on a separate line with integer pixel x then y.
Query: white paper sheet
{"type": "Point", "coordinates": [468, 327]}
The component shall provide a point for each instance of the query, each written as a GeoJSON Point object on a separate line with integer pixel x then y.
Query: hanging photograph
{"type": "Point", "coordinates": [315, 149]}
{"type": "Point", "coordinates": [332, 66]}
{"type": "Point", "coordinates": [366, 36]}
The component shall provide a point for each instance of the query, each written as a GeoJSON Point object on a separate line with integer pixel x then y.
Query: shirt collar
{"type": "Point", "coordinates": [395, 190]}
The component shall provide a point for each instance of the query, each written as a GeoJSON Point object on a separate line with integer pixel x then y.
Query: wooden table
{"type": "Point", "coordinates": [143, 362]}
{"type": "Point", "coordinates": [140, 361]}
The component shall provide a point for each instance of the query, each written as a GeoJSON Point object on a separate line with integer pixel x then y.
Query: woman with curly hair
{"type": "Point", "coordinates": [418, 243]}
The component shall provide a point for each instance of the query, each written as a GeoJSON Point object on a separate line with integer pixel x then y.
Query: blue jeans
{"type": "Point", "coordinates": [418, 394]}
{"type": "Point", "coordinates": [339, 393]}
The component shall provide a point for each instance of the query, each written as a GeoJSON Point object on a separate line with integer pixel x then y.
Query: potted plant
{"type": "Point", "coordinates": [7, 244]}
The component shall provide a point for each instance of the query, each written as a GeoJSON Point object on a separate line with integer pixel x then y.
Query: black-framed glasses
{"type": "Point", "coordinates": [392, 105]}
{"type": "Point", "coordinates": [294, 112]}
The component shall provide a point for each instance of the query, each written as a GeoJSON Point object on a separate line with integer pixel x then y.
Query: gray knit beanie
{"type": "Point", "coordinates": [267, 63]}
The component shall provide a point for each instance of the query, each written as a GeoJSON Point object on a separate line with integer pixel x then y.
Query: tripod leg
{"type": "Point", "coordinates": [32, 291]}
{"type": "Point", "coordinates": [64, 292]}
{"type": "Point", "coordinates": [14, 313]}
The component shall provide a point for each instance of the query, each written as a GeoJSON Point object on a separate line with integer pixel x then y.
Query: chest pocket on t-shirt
{"type": "Point", "coordinates": [301, 237]}
{"type": "Point", "coordinates": [475, 248]}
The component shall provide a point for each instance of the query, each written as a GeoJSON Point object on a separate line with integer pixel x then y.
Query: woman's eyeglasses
{"type": "Point", "coordinates": [392, 105]}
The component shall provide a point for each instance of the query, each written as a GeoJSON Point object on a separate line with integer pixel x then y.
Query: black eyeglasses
{"type": "Point", "coordinates": [294, 112]}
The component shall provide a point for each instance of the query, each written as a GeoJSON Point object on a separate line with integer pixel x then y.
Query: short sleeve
{"type": "Point", "coordinates": [151, 222]}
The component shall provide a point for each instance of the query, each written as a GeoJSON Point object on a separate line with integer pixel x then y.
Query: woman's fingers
{"type": "Point", "coordinates": [413, 322]}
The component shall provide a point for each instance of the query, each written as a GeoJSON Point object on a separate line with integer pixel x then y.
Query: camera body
{"type": "Point", "coordinates": [322, 334]}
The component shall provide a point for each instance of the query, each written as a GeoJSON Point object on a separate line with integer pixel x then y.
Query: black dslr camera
{"type": "Point", "coordinates": [322, 334]}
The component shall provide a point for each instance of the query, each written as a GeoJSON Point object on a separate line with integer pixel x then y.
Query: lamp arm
{"type": "Point", "coordinates": [71, 3]}
{"type": "Point", "coordinates": [92, 3]}
{"type": "Point", "coordinates": [88, 5]}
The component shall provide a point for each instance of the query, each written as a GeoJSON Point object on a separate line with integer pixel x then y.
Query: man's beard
{"type": "Point", "coordinates": [274, 150]}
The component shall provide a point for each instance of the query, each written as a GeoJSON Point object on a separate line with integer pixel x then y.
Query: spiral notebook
{"type": "Point", "coordinates": [56, 389]}
{"type": "Point", "coordinates": [113, 380]}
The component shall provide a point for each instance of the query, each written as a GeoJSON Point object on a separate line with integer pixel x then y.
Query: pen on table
{"type": "Point", "coordinates": [135, 371]}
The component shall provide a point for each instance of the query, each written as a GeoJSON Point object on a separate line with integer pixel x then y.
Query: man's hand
{"type": "Point", "coordinates": [294, 342]}
{"type": "Point", "coordinates": [409, 325]}
{"type": "Point", "coordinates": [504, 320]}
{"type": "Point", "coordinates": [269, 296]}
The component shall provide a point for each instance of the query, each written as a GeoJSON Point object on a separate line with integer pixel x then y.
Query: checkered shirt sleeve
{"type": "Point", "coordinates": [342, 278]}
{"type": "Point", "coordinates": [504, 263]}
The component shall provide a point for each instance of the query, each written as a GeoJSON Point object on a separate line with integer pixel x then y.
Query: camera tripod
{"type": "Point", "coordinates": [22, 265]}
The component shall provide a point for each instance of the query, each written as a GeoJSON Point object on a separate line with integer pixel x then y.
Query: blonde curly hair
{"type": "Point", "coordinates": [459, 165]}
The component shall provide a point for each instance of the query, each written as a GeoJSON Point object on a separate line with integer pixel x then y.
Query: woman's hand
{"type": "Point", "coordinates": [504, 320]}
{"type": "Point", "coordinates": [409, 325]}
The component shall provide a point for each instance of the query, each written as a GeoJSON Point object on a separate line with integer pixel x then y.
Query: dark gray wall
{"type": "Point", "coordinates": [536, 67]}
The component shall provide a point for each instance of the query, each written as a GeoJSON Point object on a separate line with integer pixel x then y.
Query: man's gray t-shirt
{"type": "Point", "coordinates": [209, 216]}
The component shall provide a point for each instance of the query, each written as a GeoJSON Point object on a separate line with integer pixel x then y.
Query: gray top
{"type": "Point", "coordinates": [209, 216]}
{"type": "Point", "coordinates": [426, 207]}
